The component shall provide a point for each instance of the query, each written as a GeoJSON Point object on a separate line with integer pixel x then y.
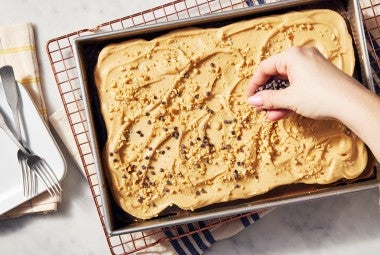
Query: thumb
{"type": "Point", "coordinates": [271, 99]}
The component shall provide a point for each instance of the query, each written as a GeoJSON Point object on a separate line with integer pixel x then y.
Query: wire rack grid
{"type": "Point", "coordinates": [60, 53]}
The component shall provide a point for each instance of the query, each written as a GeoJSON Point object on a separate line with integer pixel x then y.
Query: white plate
{"type": "Point", "coordinates": [40, 141]}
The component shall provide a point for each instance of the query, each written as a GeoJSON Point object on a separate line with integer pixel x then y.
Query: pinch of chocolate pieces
{"type": "Point", "coordinates": [274, 84]}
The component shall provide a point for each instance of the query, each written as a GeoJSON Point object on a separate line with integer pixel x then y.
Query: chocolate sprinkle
{"type": "Point", "coordinates": [236, 174]}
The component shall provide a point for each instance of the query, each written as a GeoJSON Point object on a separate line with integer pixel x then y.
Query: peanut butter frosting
{"type": "Point", "coordinates": [179, 130]}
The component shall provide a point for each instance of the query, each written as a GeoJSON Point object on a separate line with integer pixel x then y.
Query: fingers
{"type": "Point", "coordinates": [273, 66]}
{"type": "Point", "coordinates": [275, 115]}
{"type": "Point", "coordinates": [276, 102]}
{"type": "Point", "coordinates": [271, 99]}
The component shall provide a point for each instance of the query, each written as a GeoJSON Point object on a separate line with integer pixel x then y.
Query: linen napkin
{"type": "Point", "coordinates": [18, 49]}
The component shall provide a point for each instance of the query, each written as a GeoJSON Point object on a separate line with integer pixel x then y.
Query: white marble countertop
{"type": "Point", "coordinates": [348, 224]}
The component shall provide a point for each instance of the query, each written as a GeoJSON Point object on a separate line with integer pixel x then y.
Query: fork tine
{"type": "Point", "coordinates": [33, 181]}
{"type": "Point", "coordinates": [50, 185]}
{"type": "Point", "coordinates": [46, 174]}
{"type": "Point", "coordinates": [51, 174]}
{"type": "Point", "coordinates": [27, 185]}
{"type": "Point", "coordinates": [41, 178]}
{"type": "Point", "coordinates": [30, 178]}
{"type": "Point", "coordinates": [24, 180]}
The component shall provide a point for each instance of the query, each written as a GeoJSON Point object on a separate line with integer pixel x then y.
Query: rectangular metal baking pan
{"type": "Point", "coordinates": [86, 51]}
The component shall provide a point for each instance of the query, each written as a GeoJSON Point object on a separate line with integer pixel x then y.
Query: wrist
{"type": "Point", "coordinates": [355, 101]}
{"type": "Point", "coordinates": [362, 116]}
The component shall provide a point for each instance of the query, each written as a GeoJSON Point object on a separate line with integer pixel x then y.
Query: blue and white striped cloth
{"type": "Point", "coordinates": [198, 243]}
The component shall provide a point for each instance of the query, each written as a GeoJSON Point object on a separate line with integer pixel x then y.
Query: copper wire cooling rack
{"type": "Point", "coordinates": [62, 61]}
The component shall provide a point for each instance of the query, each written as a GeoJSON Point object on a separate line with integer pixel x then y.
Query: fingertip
{"type": "Point", "coordinates": [255, 100]}
{"type": "Point", "coordinates": [258, 79]}
{"type": "Point", "coordinates": [252, 87]}
{"type": "Point", "coordinates": [272, 66]}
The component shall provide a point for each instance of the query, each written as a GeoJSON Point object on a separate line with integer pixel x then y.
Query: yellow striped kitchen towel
{"type": "Point", "coordinates": [18, 49]}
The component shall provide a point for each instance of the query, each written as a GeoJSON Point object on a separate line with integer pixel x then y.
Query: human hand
{"type": "Point", "coordinates": [317, 88]}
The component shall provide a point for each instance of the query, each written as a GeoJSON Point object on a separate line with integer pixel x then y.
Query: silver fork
{"type": "Point", "coordinates": [11, 93]}
{"type": "Point", "coordinates": [37, 165]}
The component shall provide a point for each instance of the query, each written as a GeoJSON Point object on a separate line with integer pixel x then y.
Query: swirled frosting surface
{"type": "Point", "coordinates": [179, 130]}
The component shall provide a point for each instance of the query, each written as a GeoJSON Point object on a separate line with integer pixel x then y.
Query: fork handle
{"type": "Point", "coordinates": [16, 118]}
{"type": "Point", "coordinates": [7, 130]}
